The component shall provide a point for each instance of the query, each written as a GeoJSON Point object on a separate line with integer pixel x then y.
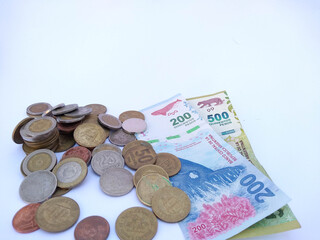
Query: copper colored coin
{"type": "Point", "coordinates": [139, 156]}
{"type": "Point", "coordinates": [67, 128]}
{"type": "Point", "coordinates": [131, 114]}
{"type": "Point", "coordinates": [109, 121]}
{"type": "Point", "coordinates": [24, 220]}
{"type": "Point", "coordinates": [92, 228]}
{"type": "Point", "coordinates": [65, 142]}
{"type": "Point", "coordinates": [97, 108]}
{"type": "Point", "coordinates": [78, 152]}
{"type": "Point", "coordinates": [134, 144]}
{"type": "Point", "coordinates": [16, 136]}
{"type": "Point", "coordinates": [37, 109]}
{"type": "Point", "coordinates": [120, 138]}
{"type": "Point", "coordinates": [134, 125]}
{"type": "Point", "coordinates": [169, 162]}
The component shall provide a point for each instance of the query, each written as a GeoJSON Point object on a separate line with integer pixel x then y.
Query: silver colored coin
{"type": "Point", "coordinates": [69, 172]}
{"type": "Point", "coordinates": [109, 121]}
{"type": "Point", "coordinates": [38, 186]}
{"type": "Point", "coordinates": [48, 130]}
{"type": "Point", "coordinates": [80, 112]}
{"type": "Point", "coordinates": [116, 181]}
{"type": "Point", "coordinates": [42, 159]}
{"type": "Point", "coordinates": [121, 138]}
{"type": "Point", "coordinates": [62, 119]}
{"type": "Point", "coordinates": [48, 113]}
{"type": "Point", "coordinates": [65, 109]}
{"type": "Point", "coordinates": [106, 159]}
{"type": "Point", "coordinates": [38, 109]}
{"type": "Point", "coordinates": [134, 125]}
{"type": "Point", "coordinates": [106, 146]}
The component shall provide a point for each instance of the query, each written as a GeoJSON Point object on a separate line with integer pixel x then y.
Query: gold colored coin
{"type": "Point", "coordinates": [40, 126]}
{"type": "Point", "coordinates": [65, 142]}
{"type": "Point", "coordinates": [148, 185]}
{"type": "Point", "coordinates": [171, 204]}
{"type": "Point", "coordinates": [169, 162]}
{"type": "Point", "coordinates": [131, 114]}
{"type": "Point", "coordinates": [60, 191]}
{"type": "Point", "coordinates": [57, 214]}
{"type": "Point", "coordinates": [28, 149]}
{"type": "Point", "coordinates": [148, 169]}
{"type": "Point", "coordinates": [139, 156]}
{"type": "Point", "coordinates": [16, 136]}
{"type": "Point", "coordinates": [135, 143]}
{"type": "Point", "coordinates": [89, 135]}
{"type": "Point", "coordinates": [136, 223]}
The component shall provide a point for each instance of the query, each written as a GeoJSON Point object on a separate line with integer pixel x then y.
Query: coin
{"type": "Point", "coordinates": [116, 181]}
{"type": "Point", "coordinates": [21, 170]}
{"type": "Point", "coordinates": [148, 185]}
{"type": "Point", "coordinates": [106, 146]}
{"type": "Point", "coordinates": [97, 108]}
{"type": "Point", "coordinates": [40, 126]}
{"type": "Point", "coordinates": [109, 121]}
{"type": "Point", "coordinates": [16, 136]}
{"type": "Point", "coordinates": [65, 119]}
{"type": "Point", "coordinates": [37, 109]}
{"type": "Point", "coordinates": [49, 111]}
{"type": "Point", "coordinates": [67, 128]}
{"type": "Point", "coordinates": [60, 191]}
{"type": "Point", "coordinates": [136, 223]}
{"type": "Point", "coordinates": [66, 109]}
{"type": "Point", "coordinates": [106, 159]}
{"type": "Point", "coordinates": [131, 114]}
{"type": "Point", "coordinates": [57, 214]}
{"type": "Point", "coordinates": [65, 142]}
{"type": "Point", "coordinates": [169, 162]}
{"type": "Point", "coordinates": [78, 152]}
{"type": "Point", "coordinates": [134, 125]}
{"type": "Point", "coordinates": [133, 144]}
{"type": "Point", "coordinates": [70, 172]}
{"type": "Point", "coordinates": [139, 156]}
{"type": "Point", "coordinates": [148, 169]}
{"type": "Point", "coordinates": [92, 228]}
{"type": "Point", "coordinates": [91, 118]}
{"type": "Point", "coordinates": [24, 220]}
{"type": "Point", "coordinates": [42, 159]}
{"type": "Point", "coordinates": [81, 111]}
{"type": "Point", "coordinates": [89, 135]}
{"type": "Point", "coordinates": [38, 186]}
{"type": "Point", "coordinates": [120, 138]}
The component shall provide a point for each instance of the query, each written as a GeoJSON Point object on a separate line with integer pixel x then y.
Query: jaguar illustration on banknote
{"type": "Point", "coordinates": [207, 103]}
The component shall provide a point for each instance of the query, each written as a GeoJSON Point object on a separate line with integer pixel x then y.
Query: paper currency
{"type": "Point", "coordinates": [227, 193]}
{"type": "Point", "coordinates": [218, 111]}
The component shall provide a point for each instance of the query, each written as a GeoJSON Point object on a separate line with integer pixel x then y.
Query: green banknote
{"type": "Point", "coordinates": [218, 111]}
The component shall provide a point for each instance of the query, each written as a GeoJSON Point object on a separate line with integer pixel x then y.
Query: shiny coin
{"type": "Point", "coordinates": [40, 126]}
{"type": "Point", "coordinates": [136, 223]}
{"type": "Point", "coordinates": [120, 138]}
{"type": "Point", "coordinates": [148, 169]}
{"type": "Point", "coordinates": [116, 181]}
{"type": "Point", "coordinates": [148, 185]}
{"type": "Point", "coordinates": [16, 136]}
{"type": "Point", "coordinates": [60, 191]}
{"type": "Point", "coordinates": [134, 125]}
{"type": "Point", "coordinates": [171, 204]}
{"type": "Point", "coordinates": [38, 186]}
{"type": "Point", "coordinates": [139, 156]}
{"type": "Point", "coordinates": [57, 214]}
{"type": "Point", "coordinates": [106, 146]}
{"type": "Point", "coordinates": [134, 144]}
{"type": "Point", "coordinates": [24, 220]}
{"type": "Point", "coordinates": [38, 109]}
{"type": "Point", "coordinates": [65, 142]}
{"type": "Point", "coordinates": [67, 120]}
{"type": "Point", "coordinates": [89, 135]}
{"type": "Point", "coordinates": [92, 228]}
{"type": "Point", "coordinates": [48, 113]}
{"type": "Point", "coordinates": [131, 114]}
{"type": "Point", "coordinates": [70, 172]}
{"type": "Point", "coordinates": [42, 159]}
{"type": "Point", "coordinates": [80, 112]}
{"type": "Point", "coordinates": [109, 121]}
{"type": "Point", "coordinates": [169, 162]}
{"type": "Point", "coordinates": [78, 152]}
{"type": "Point", "coordinates": [106, 159]}
{"type": "Point", "coordinates": [97, 108]}
{"type": "Point", "coordinates": [65, 109]}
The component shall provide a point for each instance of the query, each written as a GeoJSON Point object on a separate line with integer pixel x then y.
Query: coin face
{"type": "Point", "coordinates": [92, 228]}
{"type": "Point", "coordinates": [120, 138]}
{"type": "Point", "coordinates": [109, 121]}
{"type": "Point", "coordinates": [97, 108]}
{"type": "Point", "coordinates": [65, 119]}
{"type": "Point", "coordinates": [116, 181]}
{"type": "Point", "coordinates": [42, 159]}
{"type": "Point", "coordinates": [148, 169]}
{"type": "Point", "coordinates": [134, 125]}
{"type": "Point", "coordinates": [38, 109]}
{"type": "Point", "coordinates": [139, 156]}
{"type": "Point", "coordinates": [57, 214]}
{"type": "Point", "coordinates": [134, 144]}
{"type": "Point", "coordinates": [89, 135]}
{"type": "Point", "coordinates": [131, 114]}
{"type": "Point", "coordinates": [169, 162]}
{"type": "Point", "coordinates": [24, 220]}
{"type": "Point", "coordinates": [78, 152]}
{"type": "Point", "coordinates": [148, 185]}
{"type": "Point", "coordinates": [80, 112]}
{"type": "Point", "coordinates": [70, 172]}
{"type": "Point", "coordinates": [65, 142]}
{"type": "Point", "coordinates": [38, 186]}
{"type": "Point", "coordinates": [106, 146]}
{"type": "Point", "coordinates": [106, 159]}
{"type": "Point", "coordinates": [66, 109]}
{"type": "Point", "coordinates": [171, 204]}
{"type": "Point", "coordinates": [40, 126]}
{"type": "Point", "coordinates": [136, 223]}
{"type": "Point", "coordinates": [16, 136]}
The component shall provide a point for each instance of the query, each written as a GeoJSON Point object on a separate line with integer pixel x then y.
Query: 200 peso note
{"type": "Point", "coordinates": [228, 194]}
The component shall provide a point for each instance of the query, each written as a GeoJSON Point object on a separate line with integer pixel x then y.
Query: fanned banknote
{"type": "Point", "coordinates": [218, 111]}
{"type": "Point", "coordinates": [228, 194]}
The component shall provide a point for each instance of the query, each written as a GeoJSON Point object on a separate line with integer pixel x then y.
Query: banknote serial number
{"type": "Point", "coordinates": [199, 228]}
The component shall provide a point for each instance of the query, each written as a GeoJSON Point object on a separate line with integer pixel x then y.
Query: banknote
{"type": "Point", "coordinates": [228, 194]}
{"type": "Point", "coordinates": [217, 110]}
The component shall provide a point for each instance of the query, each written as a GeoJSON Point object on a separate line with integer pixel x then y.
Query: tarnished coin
{"type": "Point", "coordinates": [60, 191]}
{"type": "Point", "coordinates": [48, 113]}
{"type": "Point", "coordinates": [136, 223]}
{"type": "Point", "coordinates": [57, 214]}
{"type": "Point", "coordinates": [97, 108]}
{"type": "Point", "coordinates": [106, 146]}
{"type": "Point", "coordinates": [148, 185]}
{"type": "Point", "coordinates": [67, 120]}
{"type": "Point", "coordinates": [16, 136]}
{"type": "Point", "coordinates": [120, 138]}
{"type": "Point", "coordinates": [131, 114]}
{"type": "Point", "coordinates": [106, 159]}
{"type": "Point", "coordinates": [80, 112]}
{"type": "Point", "coordinates": [148, 169]}
{"type": "Point", "coordinates": [91, 118]}
{"type": "Point", "coordinates": [67, 128]}
{"type": "Point", "coordinates": [134, 144]}
{"type": "Point", "coordinates": [89, 135]}
{"type": "Point", "coordinates": [171, 204]}
{"type": "Point", "coordinates": [37, 109]}
{"type": "Point", "coordinates": [139, 156]}
{"type": "Point", "coordinates": [66, 109]}
{"type": "Point", "coordinates": [116, 181]}
{"type": "Point", "coordinates": [78, 152]}
{"type": "Point", "coordinates": [40, 126]}
{"type": "Point", "coordinates": [42, 159]}
{"type": "Point", "coordinates": [24, 220]}
{"type": "Point", "coordinates": [38, 186]}
{"type": "Point", "coordinates": [70, 172]}
{"type": "Point", "coordinates": [109, 121]}
{"type": "Point", "coordinates": [21, 169]}
{"type": "Point", "coordinates": [169, 162]}
{"type": "Point", "coordinates": [65, 142]}
{"type": "Point", "coordinates": [134, 125]}
{"type": "Point", "coordinates": [92, 228]}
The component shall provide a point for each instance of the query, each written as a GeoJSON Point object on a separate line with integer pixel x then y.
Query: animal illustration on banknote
{"type": "Point", "coordinates": [216, 101]}
{"type": "Point", "coordinates": [166, 109]}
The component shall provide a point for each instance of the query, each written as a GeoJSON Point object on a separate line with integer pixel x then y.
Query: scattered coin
{"type": "Point", "coordinates": [42, 159]}
{"type": "Point", "coordinates": [40, 126]}
{"type": "Point", "coordinates": [148, 169]}
{"type": "Point", "coordinates": [60, 191]}
{"type": "Point", "coordinates": [97, 108]}
{"type": "Point", "coordinates": [65, 142]}
{"type": "Point", "coordinates": [38, 186]}
{"type": "Point", "coordinates": [131, 114]}
{"type": "Point", "coordinates": [89, 135]}
{"type": "Point", "coordinates": [106, 159]}
{"type": "Point", "coordinates": [92, 228]}
{"type": "Point", "coordinates": [57, 214]}
{"type": "Point", "coordinates": [139, 156]}
{"type": "Point", "coordinates": [80, 112]}
{"type": "Point", "coordinates": [66, 109]}
{"type": "Point", "coordinates": [116, 181]}
{"type": "Point", "coordinates": [24, 220]}
{"type": "Point", "coordinates": [106, 146]}
{"type": "Point", "coordinates": [65, 119]}
{"type": "Point", "coordinates": [109, 121]}
{"type": "Point", "coordinates": [91, 118]}
{"type": "Point", "coordinates": [148, 185]}
{"type": "Point", "coordinates": [78, 152]}
{"type": "Point", "coordinates": [169, 162]}
{"type": "Point", "coordinates": [120, 138]}
{"type": "Point", "coordinates": [136, 223]}
{"type": "Point", "coordinates": [37, 109]}
{"type": "Point", "coordinates": [16, 136]}
{"type": "Point", "coordinates": [134, 125]}
{"type": "Point", "coordinates": [67, 128]}
{"type": "Point", "coordinates": [134, 144]}
{"type": "Point", "coordinates": [48, 113]}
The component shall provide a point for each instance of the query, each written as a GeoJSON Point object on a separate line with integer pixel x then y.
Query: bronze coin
{"type": "Point", "coordinates": [97, 108]}
{"type": "Point", "coordinates": [120, 138]}
{"type": "Point", "coordinates": [109, 121]}
{"type": "Point", "coordinates": [131, 114]}
{"type": "Point", "coordinates": [24, 220]}
{"type": "Point", "coordinates": [67, 128]}
{"type": "Point", "coordinates": [65, 142]}
{"type": "Point", "coordinates": [91, 118]}
{"type": "Point", "coordinates": [16, 136]}
{"type": "Point", "coordinates": [139, 156]}
{"type": "Point", "coordinates": [89, 135]}
{"type": "Point", "coordinates": [171, 204]}
{"type": "Point", "coordinates": [37, 109]}
{"type": "Point", "coordinates": [92, 228]}
{"type": "Point", "coordinates": [78, 152]}
{"type": "Point", "coordinates": [136, 223]}
{"type": "Point", "coordinates": [169, 162]}
{"type": "Point", "coordinates": [134, 144]}
{"type": "Point", "coordinates": [148, 169]}
{"type": "Point", "coordinates": [60, 191]}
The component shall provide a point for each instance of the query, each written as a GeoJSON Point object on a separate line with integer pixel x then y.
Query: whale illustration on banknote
{"type": "Point", "coordinates": [163, 111]}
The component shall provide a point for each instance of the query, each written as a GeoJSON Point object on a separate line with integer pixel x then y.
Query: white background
{"type": "Point", "coordinates": [132, 54]}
